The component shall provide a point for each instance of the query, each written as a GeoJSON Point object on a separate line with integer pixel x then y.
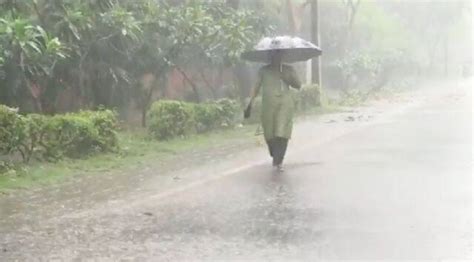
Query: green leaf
{"type": "Point", "coordinates": [34, 46]}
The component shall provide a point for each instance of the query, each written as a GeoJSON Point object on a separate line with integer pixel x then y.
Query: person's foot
{"type": "Point", "coordinates": [280, 168]}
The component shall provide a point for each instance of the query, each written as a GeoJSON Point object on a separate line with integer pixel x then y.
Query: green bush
{"type": "Point", "coordinates": [11, 130]}
{"type": "Point", "coordinates": [77, 134]}
{"type": "Point", "coordinates": [219, 114]}
{"type": "Point", "coordinates": [229, 111]}
{"type": "Point", "coordinates": [168, 119]}
{"type": "Point", "coordinates": [33, 130]}
{"type": "Point", "coordinates": [105, 122]}
{"type": "Point", "coordinates": [206, 116]}
{"type": "Point", "coordinates": [20, 134]}
{"type": "Point", "coordinates": [69, 135]}
{"type": "Point", "coordinates": [51, 138]}
{"type": "Point", "coordinates": [5, 166]}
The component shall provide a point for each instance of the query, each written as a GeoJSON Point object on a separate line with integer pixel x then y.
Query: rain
{"type": "Point", "coordinates": [236, 130]}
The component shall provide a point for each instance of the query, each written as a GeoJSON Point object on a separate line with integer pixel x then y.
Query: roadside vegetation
{"type": "Point", "coordinates": [39, 148]}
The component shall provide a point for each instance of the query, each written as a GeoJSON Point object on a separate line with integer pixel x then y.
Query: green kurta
{"type": "Point", "coordinates": [278, 103]}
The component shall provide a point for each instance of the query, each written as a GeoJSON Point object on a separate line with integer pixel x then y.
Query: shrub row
{"type": "Point", "coordinates": [53, 137]}
{"type": "Point", "coordinates": [168, 119]}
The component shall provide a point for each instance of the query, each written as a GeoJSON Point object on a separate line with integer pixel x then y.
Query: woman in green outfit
{"type": "Point", "coordinates": [274, 82]}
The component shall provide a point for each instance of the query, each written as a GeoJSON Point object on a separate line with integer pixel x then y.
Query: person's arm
{"type": "Point", "coordinates": [256, 88]}
{"type": "Point", "coordinates": [253, 94]}
{"type": "Point", "coordinates": [290, 77]}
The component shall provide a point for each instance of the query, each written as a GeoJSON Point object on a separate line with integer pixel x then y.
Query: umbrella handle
{"type": "Point", "coordinates": [281, 77]}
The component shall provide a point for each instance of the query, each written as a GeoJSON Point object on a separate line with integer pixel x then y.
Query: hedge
{"type": "Point", "coordinates": [11, 130]}
{"type": "Point", "coordinates": [54, 137]}
{"type": "Point", "coordinates": [220, 114]}
{"type": "Point", "coordinates": [169, 119]}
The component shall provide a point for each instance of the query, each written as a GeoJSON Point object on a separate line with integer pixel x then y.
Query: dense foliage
{"type": "Point", "coordinates": [99, 50]}
{"type": "Point", "coordinates": [54, 137]}
{"type": "Point", "coordinates": [169, 119]}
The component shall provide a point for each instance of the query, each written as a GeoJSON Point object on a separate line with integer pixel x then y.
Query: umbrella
{"type": "Point", "coordinates": [295, 49]}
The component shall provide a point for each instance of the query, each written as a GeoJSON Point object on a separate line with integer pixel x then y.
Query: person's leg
{"type": "Point", "coordinates": [284, 146]}
{"type": "Point", "coordinates": [273, 147]}
{"type": "Point", "coordinates": [270, 146]}
{"type": "Point", "coordinates": [279, 150]}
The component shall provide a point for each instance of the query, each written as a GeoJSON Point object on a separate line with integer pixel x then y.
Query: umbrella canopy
{"type": "Point", "coordinates": [294, 49]}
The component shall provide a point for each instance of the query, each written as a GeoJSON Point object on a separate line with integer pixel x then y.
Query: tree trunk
{"type": "Point", "coordinates": [315, 63]}
{"type": "Point", "coordinates": [353, 7]}
{"type": "Point", "coordinates": [144, 111]}
{"type": "Point", "coordinates": [191, 82]}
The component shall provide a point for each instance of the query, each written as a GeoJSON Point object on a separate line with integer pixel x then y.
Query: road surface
{"type": "Point", "coordinates": [398, 187]}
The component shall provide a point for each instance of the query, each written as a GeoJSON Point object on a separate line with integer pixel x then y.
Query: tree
{"type": "Point", "coordinates": [100, 50]}
{"type": "Point", "coordinates": [29, 58]}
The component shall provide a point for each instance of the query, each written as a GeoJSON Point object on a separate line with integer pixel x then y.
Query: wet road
{"type": "Point", "coordinates": [394, 189]}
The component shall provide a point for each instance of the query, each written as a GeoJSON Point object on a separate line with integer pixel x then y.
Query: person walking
{"type": "Point", "coordinates": [274, 82]}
